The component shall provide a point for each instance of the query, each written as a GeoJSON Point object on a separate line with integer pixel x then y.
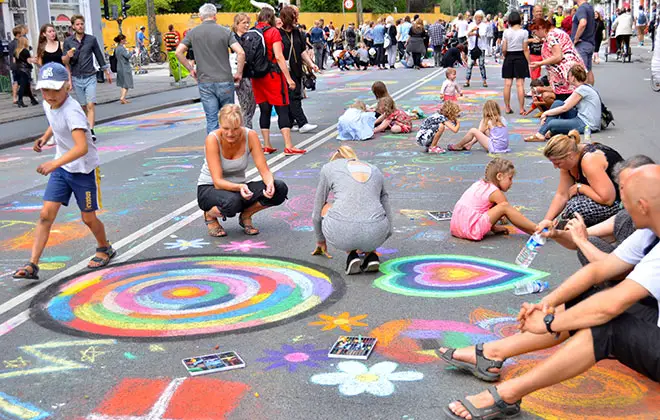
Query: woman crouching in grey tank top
{"type": "Point", "coordinates": [359, 218]}
{"type": "Point", "coordinates": [222, 190]}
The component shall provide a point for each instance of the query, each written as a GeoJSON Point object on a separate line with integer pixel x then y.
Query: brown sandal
{"type": "Point", "coordinates": [533, 139]}
{"type": "Point", "coordinates": [248, 229]}
{"type": "Point", "coordinates": [216, 232]}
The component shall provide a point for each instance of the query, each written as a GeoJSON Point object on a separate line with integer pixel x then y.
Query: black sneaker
{"type": "Point", "coordinates": [352, 263]}
{"type": "Point", "coordinates": [93, 135]}
{"type": "Point", "coordinates": [371, 263]}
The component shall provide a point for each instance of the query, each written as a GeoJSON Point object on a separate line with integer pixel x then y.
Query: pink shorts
{"type": "Point", "coordinates": [474, 231]}
{"type": "Point", "coordinates": [452, 98]}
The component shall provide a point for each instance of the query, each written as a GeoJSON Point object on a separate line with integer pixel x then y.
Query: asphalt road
{"type": "Point", "coordinates": [113, 357]}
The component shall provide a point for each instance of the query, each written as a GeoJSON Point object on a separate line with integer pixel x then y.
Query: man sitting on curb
{"type": "Point", "coordinates": [619, 322]}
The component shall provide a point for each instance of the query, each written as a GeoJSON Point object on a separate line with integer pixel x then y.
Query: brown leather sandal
{"type": "Point", "coordinates": [216, 232]}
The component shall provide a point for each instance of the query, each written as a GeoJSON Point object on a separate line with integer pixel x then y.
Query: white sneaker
{"type": "Point", "coordinates": [51, 141]}
{"type": "Point", "coordinates": [295, 128]}
{"type": "Point", "coordinates": [308, 127]}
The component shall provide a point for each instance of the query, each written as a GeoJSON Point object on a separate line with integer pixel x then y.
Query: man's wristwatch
{"type": "Point", "coordinates": [548, 322]}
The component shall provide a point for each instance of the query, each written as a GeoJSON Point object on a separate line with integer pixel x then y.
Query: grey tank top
{"type": "Point", "coordinates": [233, 170]}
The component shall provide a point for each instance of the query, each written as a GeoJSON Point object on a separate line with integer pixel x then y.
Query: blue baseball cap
{"type": "Point", "coordinates": [52, 76]}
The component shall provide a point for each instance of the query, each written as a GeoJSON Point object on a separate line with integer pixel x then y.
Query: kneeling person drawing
{"type": "Point", "coordinates": [73, 171]}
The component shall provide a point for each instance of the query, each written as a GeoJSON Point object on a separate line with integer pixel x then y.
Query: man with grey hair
{"type": "Point", "coordinates": [211, 43]}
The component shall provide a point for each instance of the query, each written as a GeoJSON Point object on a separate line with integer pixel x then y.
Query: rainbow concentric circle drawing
{"type": "Point", "coordinates": [450, 276]}
{"type": "Point", "coordinates": [185, 296]}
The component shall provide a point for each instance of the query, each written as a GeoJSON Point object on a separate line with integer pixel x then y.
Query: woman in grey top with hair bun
{"type": "Point", "coordinates": [222, 190]}
{"type": "Point", "coordinates": [359, 218]}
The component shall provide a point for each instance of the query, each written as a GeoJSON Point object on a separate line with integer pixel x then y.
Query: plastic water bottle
{"type": "Point", "coordinates": [273, 113]}
{"type": "Point", "coordinates": [587, 134]}
{"type": "Point", "coordinates": [530, 250]}
{"type": "Point", "coordinates": [529, 287]}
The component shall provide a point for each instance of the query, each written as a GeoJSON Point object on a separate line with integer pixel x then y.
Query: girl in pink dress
{"type": "Point", "coordinates": [484, 203]}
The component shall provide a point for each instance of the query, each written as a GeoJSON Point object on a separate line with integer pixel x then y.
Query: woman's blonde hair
{"type": "Point", "coordinates": [492, 113]}
{"type": "Point", "coordinates": [238, 19]}
{"type": "Point", "coordinates": [359, 105]}
{"type": "Point", "coordinates": [21, 45]}
{"type": "Point", "coordinates": [562, 145]}
{"type": "Point", "coordinates": [578, 71]}
{"type": "Point", "coordinates": [232, 114]}
{"type": "Point", "coordinates": [390, 20]}
{"type": "Point", "coordinates": [498, 166]}
{"type": "Point", "coordinates": [386, 105]}
{"type": "Point", "coordinates": [450, 110]}
{"type": "Point", "coordinates": [344, 152]}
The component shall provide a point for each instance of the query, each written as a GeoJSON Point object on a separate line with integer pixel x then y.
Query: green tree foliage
{"type": "Point", "coordinates": [139, 7]}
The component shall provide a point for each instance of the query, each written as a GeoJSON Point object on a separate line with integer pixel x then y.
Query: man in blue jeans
{"type": "Point", "coordinates": [583, 34]}
{"type": "Point", "coordinates": [211, 43]}
{"type": "Point", "coordinates": [79, 50]}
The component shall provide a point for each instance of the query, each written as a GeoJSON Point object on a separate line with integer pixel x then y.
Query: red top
{"type": "Point", "coordinates": [271, 36]}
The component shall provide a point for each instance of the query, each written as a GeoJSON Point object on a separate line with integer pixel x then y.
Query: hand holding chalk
{"type": "Point", "coordinates": [321, 249]}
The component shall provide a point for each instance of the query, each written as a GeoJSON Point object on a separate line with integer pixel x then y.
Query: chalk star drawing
{"type": "Point", "coordinates": [184, 296]}
{"type": "Point", "coordinates": [17, 363]}
{"type": "Point", "coordinates": [344, 322]}
{"type": "Point", "coordinates": [90, 354]}
{"type": "Point", "coordinates": [450, 276]}
{"type": "Point", "coordinates": [164, 398]}
{"type": "Point", "coordinates": [355, 378]}
{"type": "Point", "coordinates": [53, 363]}
{"type": "Point", "coordinates": [183, 244]}
{"type": "Point", "coordinates": [293, 356]}
{"type": "Point", "coordinates": [13, 408]}
{"type": "Point", "coordinates": [156, 348]}
{"type": "Point", "coordinates": [244, 246]}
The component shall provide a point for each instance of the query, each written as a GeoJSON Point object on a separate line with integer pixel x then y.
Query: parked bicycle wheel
{"type": "Point", "coordinates": [158, 57]}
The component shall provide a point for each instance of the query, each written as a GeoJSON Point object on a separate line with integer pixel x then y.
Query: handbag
{"type": "Point", "coordinates": [476, 52]}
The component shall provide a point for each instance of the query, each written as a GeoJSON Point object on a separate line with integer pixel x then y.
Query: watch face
{"type": "Point", "coordinates": [548, 318]}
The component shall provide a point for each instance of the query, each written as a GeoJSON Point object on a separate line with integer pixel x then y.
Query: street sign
{"type": "Point", "coordinates": [348, 4]}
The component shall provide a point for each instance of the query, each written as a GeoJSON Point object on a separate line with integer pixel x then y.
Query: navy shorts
{"type": "Point", "coordinates": [85, 187]}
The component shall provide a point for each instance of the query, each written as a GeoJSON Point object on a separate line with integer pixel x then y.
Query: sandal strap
{"type": "Point", "coordinates": [33, 266]}
{"type": "Point", "coordinates": [505, 407]}
{"type": "Point", "coordinates": [484, 363]}
{"type": "Point", "coordinates": [105, 249]}
{"type": "Point", "coordinates": [447, 355]}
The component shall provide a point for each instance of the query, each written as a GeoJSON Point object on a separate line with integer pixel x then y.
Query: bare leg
{"type": "Point", "coordinates": [286, 134]}
{"type": "Point", "coordinates": [122, 96]}
{"type": "Point", "coordinates": [507, 94]}
{"type": "Point", "coordinates": [572, 359]}
{"type": "Point", "coordinates": [214, 213]}
{"type": "Point", "coordinates": [437, 135]}
{"type": "Point", "coordinates": [42, 232]}
{"type": "Point", "coordinates": [265, 133]}
{"type": "Point", "coordinates": [246, 215]}
{"type": "Point", "coordinates": [396, 129]}
{"type": "Point", "coordinates": [90, 109]}
{"type": "Point", "coordinates": [98, 230]}
{"type": "Point", "coordinates": [514, 216]}
{"type": "Point", "coordinates": [469, 139]}
{"type": "Point", "coordinates": [14, 91]}
{"type": "Point", "coordinates": [520, 90]}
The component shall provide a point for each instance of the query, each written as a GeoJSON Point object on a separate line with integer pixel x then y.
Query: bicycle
{"type": "Point", "coordinates": [155, 54]}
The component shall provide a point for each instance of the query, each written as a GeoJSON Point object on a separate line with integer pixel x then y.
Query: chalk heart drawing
{"type": "Point", "coordinates": [292, 357]}
{"type": "Point", "coordinates": [184, 244]}
{"type": "Point", "coordinates": [344, 322]}
{"type": "Point", "coordinates": [450, 276]}
{"type": "Point", "coordinates": [184, 296]}
{"type": "Point", "coordinates": [164, 398]}
{"type": "Point", "coordinates": [243, 246]}
{"type": "Point", "coordinates": [355, 378]}
{"type": "Point", "coordinates": [13, 408]}
{"type": "Point", "coordinates": [608, 390]}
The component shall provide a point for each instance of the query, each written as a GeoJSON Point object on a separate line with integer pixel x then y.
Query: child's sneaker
{"type": "Point", "coordinates": [437, 150]}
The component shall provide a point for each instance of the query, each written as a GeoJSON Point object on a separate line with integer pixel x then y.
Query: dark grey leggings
{"type": "Point", "coordinates": [283, 120]}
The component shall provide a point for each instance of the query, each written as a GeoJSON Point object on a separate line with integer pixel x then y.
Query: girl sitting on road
{"type": "Point", "coordinates": [391, 117]}
{"type": "Point", "coordinates": [434, 126]}
{"type": "Point", "coordinates": [356, 123]}
{"type": "Point", "coordinates": [492, 134]}
{"type": "Point", "coordinates": [379, 89]}
{"type": "Point", "coordinates": [484, 203]}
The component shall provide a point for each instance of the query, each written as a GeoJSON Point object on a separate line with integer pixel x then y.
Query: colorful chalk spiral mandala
{"type": "Point", "coordinates": [184, 296]}
{"type": "Point", "coordinates": [449, 276]}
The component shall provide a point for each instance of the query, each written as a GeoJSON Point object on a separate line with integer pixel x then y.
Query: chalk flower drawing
{"type": "Point", "coordinates": [183, 244]}
{"type": "Point", "coordinates": [344, 321]}
{"type": "Point", "coordinates": [293, 356]}
{"type": "Point", "coordinates": [355, 378]}
{"type": "Point", "coordinates": [244, 246]}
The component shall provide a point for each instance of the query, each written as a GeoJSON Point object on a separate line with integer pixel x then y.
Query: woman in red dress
{"type": "Point", "coordinates": [272, 90]}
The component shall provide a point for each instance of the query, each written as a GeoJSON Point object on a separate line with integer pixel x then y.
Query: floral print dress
{"type": "Point", "coordinates": [558, 73]}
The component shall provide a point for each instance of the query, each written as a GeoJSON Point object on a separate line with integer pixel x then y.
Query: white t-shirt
{"type": "Point", "coordinates": [63, 121]}
{"type": "Point", "coordinates": [647, 268]}
{"type": "Point", "coordinates": [462, 27]}
{"type": "Point", "coordinates": [450, 88]}
{"type": "Point", "coordinates": [515, 38]}
{"type": "Point", "coordinates": [483, 43]}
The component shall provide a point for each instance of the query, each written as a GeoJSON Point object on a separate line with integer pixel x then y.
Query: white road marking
{"type": "Point", "coordinates": [29, 294]}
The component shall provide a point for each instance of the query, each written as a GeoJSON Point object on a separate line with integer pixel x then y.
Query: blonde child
{"type": "Point", "coordinates": [356, 123]}
{"type": "Point", "coordinates": [492, 134]}
{"type": "Point", "coordinates": [391, 117]}
{"type": "Point", "coordinates": [450, 89]}
{"type": "Point", "coordinates": [434, 126]}
{"type": "Point", "coordinates": [484, 203]}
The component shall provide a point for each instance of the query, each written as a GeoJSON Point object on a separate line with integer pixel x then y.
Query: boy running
{"type": "Point", "coordinates": [74, 169]}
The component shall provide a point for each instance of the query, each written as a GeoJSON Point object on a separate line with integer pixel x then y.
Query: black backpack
{"type": "Point", "coordinates": [113, 63]}
{"type": "Point", "coordinates": [257, 64]}
{"type": "Point", "coordinates": [606, 116]}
